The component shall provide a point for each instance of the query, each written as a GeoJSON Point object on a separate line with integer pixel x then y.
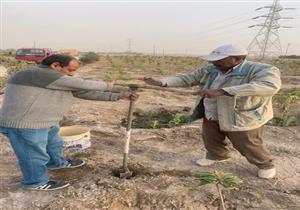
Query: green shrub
{"type": "Point", "coordinates": [12, 66]}
{"type": "Point", "coordinates": [90, 57]}
{"type": "Point", "coordinates": [219, 179]}
{"type": "Point", "coordinates": [284, 100]}
{"type": "Point", "coordinates": [180, 119]}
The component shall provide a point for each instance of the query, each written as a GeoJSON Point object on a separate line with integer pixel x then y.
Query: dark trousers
{"type": "Point", "coordinates": [248, 143]}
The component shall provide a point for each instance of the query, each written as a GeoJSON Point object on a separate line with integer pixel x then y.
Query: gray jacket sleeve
{"type": "Point", "coordinates": [97, 95]}
{"type": "Point", "coordinates": [191, 78]}
{"type": "Point", "coordinates": [74, 83]}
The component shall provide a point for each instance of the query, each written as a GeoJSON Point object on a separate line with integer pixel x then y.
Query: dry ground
{"type": "Point", "coordinates": [163, 161]}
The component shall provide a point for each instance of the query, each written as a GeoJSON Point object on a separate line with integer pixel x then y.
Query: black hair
{"type": "Point", "coordinates": [63, 60]}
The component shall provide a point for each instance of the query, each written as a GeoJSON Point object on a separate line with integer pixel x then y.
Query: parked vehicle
{"type": "Point", "coordinates": [33, 54]}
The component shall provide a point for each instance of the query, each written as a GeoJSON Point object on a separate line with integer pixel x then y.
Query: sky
{"type": "Point", "coordinates": [170, 27]}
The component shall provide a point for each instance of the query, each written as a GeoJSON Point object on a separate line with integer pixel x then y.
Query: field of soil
{"type": "Point", "coordinates": [163, 160]}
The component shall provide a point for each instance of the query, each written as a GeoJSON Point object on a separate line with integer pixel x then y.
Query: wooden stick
{"type": "Point", "coordinates": [136, 86]}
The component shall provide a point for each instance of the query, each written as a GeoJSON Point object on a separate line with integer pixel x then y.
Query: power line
{"type": "Point", "coordinates": [226, 26]}
{"type": "Point", "coordinates": [225, 31]}
{"type": "Point", "coordinates": [217, 27]}
{"type": "Point", "coordinates": [240, 31]}
{"type": "Point", "coordinates": [227, 19]}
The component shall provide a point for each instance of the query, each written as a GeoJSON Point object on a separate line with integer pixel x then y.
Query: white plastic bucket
{"type": "Point", "coordinates": [75, 137]}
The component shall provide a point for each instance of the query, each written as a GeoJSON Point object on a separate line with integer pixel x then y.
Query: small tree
{"type": "Point", "coordinates": [218, 178]}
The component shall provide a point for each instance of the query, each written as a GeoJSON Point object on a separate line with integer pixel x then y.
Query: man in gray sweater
{"type": "Point", "coordinates": [34, 102]}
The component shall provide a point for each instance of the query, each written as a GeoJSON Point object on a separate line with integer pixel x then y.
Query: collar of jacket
{"type": "Point", "coordinates": [241, 70]}
{"type": "Point", "coordinates": [43, 66]}
{"type": "Point", "coordinates": [47, 68]}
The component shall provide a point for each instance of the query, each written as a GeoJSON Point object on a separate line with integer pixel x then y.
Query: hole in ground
{"type": "Point", "coordinates": [159, 118]}
{"type": "Point", "coordinates": [140, 170]}
{"type": "Point", "coordinates": [135, 169]}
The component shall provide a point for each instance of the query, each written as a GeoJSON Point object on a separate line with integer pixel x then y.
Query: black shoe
{"type": "Point", "coordinates": [50, 185]}
{"type": "Point", "coordinates": [74, 163]}
{"type": "Point", "coordinates": [70, 164]}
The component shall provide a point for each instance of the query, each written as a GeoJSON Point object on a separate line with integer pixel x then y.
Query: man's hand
{"type": "Point", "coordinates": [110, 84]}
{"type": "Point", "coordinates": [212, 93]}
{"type": "Point", "coordinates": [152, 81]}
{"type": "Point", "coordinates": [129, 96]}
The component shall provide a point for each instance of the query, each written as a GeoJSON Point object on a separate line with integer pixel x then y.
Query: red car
{"type": "Point", "coordinates": [33, 54]}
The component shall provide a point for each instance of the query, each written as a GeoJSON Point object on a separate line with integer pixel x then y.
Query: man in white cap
{"type": "Point", "coordinates": [235, 102]}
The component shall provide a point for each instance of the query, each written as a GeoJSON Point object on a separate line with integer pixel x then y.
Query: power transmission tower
{"type": "Point", "coordinates": [129, 45]}
{"type": "Point", "coordinates": [154, 50]}
{"type": "Point", "coordinates": [287, 48]}
{"type": "Point", "coordinates": [266, 43]}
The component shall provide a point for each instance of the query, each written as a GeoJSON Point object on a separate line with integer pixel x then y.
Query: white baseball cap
{"type": "Point", "coordinates": [224, 51]}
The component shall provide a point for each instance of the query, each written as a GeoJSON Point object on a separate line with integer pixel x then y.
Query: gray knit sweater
{"type": "Point", "coordinates": [38, 97]}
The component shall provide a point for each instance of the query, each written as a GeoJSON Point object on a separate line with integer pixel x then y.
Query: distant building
{"type": "Point", "coordinates": [69, 51]}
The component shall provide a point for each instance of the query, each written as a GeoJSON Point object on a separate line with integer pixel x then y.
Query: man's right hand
{"type": "Point", "coordinates": [152, 81]}
{"type": "Point", "coordinates": [110, 84]}
{"type": "Point", "coordinates": [129, 96]}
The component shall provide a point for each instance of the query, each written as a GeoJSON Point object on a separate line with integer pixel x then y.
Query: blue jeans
{"type": "Point", "coordinates": [36, 151]}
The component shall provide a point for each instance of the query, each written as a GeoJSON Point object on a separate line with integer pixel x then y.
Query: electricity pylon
{"type": "Point", "coordinates": [266, 43]}
{"type": "Point", "coordinates": [129, 45]}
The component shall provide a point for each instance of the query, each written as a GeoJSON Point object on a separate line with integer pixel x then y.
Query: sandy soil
{"type": "Point", "coordinates": [163, 161]}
